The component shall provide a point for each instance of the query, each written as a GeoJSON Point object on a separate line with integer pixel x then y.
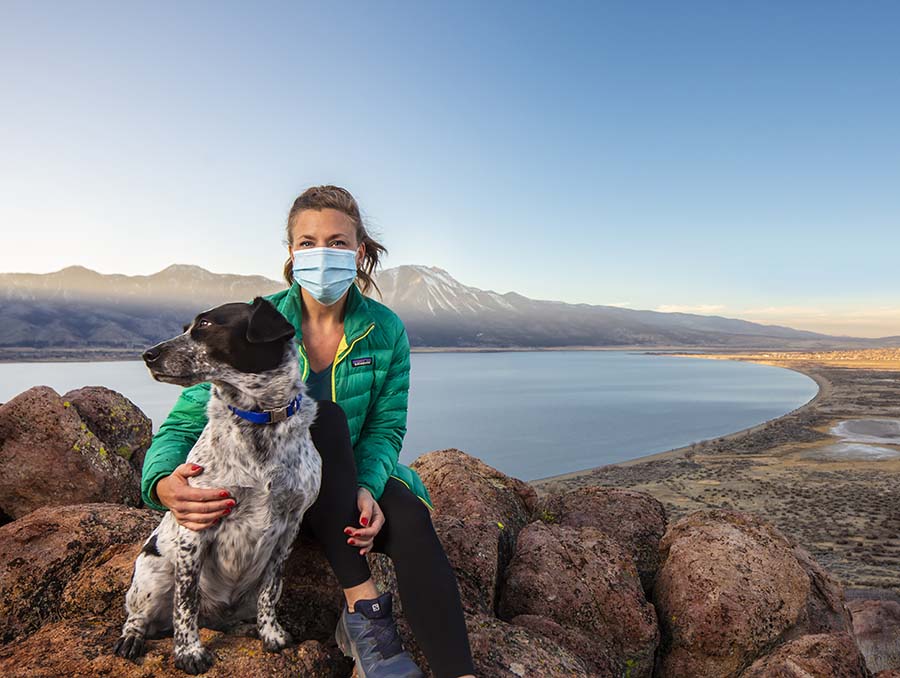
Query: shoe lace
{"type": "Point", "coordinates": [384, 632]}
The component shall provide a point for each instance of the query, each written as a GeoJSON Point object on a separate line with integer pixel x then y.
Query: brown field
{"type": "Point", "coordinates": [839, 498]}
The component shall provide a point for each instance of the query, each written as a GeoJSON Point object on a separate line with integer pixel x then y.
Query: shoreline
{"type": "Point", "coordinates": [824, 390]}
{"type": "Point", "coordinates": [24, 354]}
{"type": "Point", "coordinates": [827, 485]}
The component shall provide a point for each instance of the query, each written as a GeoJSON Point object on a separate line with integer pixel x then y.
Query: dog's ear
{"type": "Point", "coordinates": [267, 324]}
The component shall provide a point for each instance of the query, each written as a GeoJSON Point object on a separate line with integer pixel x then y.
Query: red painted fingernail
{"type": "Point", "coordinates": [364, 520]}
{"type": "Point", "coordinates": [194, 467]}
{"type": "Point", "coordinates": [227, 511]}
{"type": "Point", "coordinates": [223, 494]}
{"type": "Point", "coordinates": [350, 541]}
{"type": "Point", "coordinates": [231, 503]}
{"type": "Point", "coordinates": [347, 530]}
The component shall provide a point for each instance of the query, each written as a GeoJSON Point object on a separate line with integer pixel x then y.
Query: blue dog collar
{"type": "Point", "coordinates": [269, 416]}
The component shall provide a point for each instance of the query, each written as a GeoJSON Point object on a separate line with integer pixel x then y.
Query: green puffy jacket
{"type": "Point", "coordinates": [370, 381]}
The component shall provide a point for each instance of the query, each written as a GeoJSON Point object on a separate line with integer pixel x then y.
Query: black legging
{"type": "Point", "coordinates": [426, 582]}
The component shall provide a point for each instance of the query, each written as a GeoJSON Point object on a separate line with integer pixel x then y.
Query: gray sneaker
{"type": "Point", "coordinates": [369, 636]}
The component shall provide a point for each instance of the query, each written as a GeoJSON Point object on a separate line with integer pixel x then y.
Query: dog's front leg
{"type": "Point", "coordinates": [272, 634]}
{"type": "Point", "coordinates": [190, 656]}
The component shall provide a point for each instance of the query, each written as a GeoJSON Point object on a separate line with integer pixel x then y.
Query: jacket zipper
{"type": "Point", "coordinates": [339, 358]}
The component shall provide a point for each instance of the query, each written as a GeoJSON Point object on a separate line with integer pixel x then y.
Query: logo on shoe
{"type": "Point", "coordinates": [375, 607]}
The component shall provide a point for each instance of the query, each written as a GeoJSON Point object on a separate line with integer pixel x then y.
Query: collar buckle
{"type": "Point", "coordinates": [277, 415]}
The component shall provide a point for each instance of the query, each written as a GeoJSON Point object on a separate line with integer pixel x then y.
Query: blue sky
{"type": "Point", "coordinates": [741, 159]}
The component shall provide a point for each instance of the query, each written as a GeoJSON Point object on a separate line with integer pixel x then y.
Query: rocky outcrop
{"type": "Point", "coordinates": [634, 520]}
{"type": "Point", "coordinates": [876, 626]}
{"type": "Point", "coordinates": [50, 457]}
{"type": "Point", "coordinates": [45, 553]}
{"type": "Point", "coordinates": [115, 420]}
{"type": "Point", "coordinates": [478, 512]}
{"type": "Point", "coordinates": [730, 588]}
{"type": "Point", "coordinates": [550, 588]}
{"type": "Point", "coordinates": [825, 655]}
{"type": "Point", "coordinates": [580, 588]}
{"type": "Point", "coordinates": [82, 649]}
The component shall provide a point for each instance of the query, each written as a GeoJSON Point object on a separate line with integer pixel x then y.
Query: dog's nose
{"type": "Point", "coordinates": [150, 354]}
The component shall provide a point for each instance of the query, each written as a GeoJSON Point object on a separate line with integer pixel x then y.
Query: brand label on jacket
{"type": "Point", "coordinates": [359, 362]}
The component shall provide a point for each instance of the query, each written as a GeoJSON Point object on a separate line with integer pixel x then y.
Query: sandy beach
{"type": "Point", "coordinates": [827, 473]}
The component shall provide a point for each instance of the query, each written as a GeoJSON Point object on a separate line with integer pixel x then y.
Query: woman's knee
{"type": "Point", "coordinates": [406, 513]}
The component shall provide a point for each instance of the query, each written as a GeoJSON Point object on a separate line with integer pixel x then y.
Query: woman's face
{"type": "Point", "coordinates": [324, 228]}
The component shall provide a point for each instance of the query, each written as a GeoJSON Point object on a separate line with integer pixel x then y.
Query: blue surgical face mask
{"type": "Point", "coordinates": [325, 272]}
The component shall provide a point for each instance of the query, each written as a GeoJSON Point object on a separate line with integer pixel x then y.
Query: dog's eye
{"type": "Point", "coordinates": [203, 323]}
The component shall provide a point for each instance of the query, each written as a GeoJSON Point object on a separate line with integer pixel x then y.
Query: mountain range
{"type": "Point", "coordinates": [80, 308]}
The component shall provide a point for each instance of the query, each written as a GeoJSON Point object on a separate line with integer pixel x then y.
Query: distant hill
{"type": "Point", "coordinates": [80, 308]}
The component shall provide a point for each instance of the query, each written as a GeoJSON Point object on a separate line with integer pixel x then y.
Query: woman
{"type": "Point", "coordinates": [354, 353]}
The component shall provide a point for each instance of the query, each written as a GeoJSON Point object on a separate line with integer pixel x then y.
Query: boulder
{"type": "Point", "coordinates": [54, 548]}
{"type": "Point", "coordinates": [876, 626]}
{"type": "Point", "coordinates": [49, 457]}
{"type": "Point", "coordinates": [478, 512]}
{"type": "Point", "coordinates": [83, 649]}
{"type": "Point", "coordinates": [99, 587]}
{"type": "Point", "coordinates": [463, 486]}
{"type": "Point", "coordinates": [730, 587]}
{"type": "Point", "coordinates": [580, 588]}
{"type": "Point", "coordinates": [635, 520]}
{"type": "Point", "coordinates": [502, 650]}
{"type": "Point", "coordinates": [825, 655]}
{"type": "Point", "coordinates": [115, 420]}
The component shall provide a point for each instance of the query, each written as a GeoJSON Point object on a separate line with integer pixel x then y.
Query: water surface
{"type": "Point", "coordinates": [531, 414]}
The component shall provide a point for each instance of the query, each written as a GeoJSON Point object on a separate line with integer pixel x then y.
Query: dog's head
{"type": "Point", "coordinates": [222, 344]}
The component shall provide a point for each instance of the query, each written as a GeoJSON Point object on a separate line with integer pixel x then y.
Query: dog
{"type": "Point", "coordinates": [257, 446]}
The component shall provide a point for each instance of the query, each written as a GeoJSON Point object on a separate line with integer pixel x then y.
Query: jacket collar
{"type": "Point", "coordinates": [357, 314]}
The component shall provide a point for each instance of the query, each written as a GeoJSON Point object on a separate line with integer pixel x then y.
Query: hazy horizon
{"type": "Point", "coordinates": [716, 159]}
{"type": "Point", "coordinates": [659, 309]}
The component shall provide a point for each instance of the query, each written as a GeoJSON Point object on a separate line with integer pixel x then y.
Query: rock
{"type": "Point", "coordinates": [502, 650]}
{"type": "Point", "coordinates": [83, 649]}
{"type": "Point", "coordinates": [99, 588]}
{"type": "Point", "coordinates": [473, 549]}
{"type": "Point", "coordinates": [826, 655]}
{"type": "Point", "coordinates": [581, 589]}
{"type": "Point", "coordinates": [41, 554]}
{"type": "Point", "coordinates": [634, 519]}
{"type": "Point", "coordinates": [115, 420]}
{"type": "Point", "coordinates": [876, 626]}
{"type": "Point", "coordinates": [730, 587]}
{"type": "Point", "coordinates": [478, 512]}
{"type": "Point", "coordinates": [466, 487]}
{"type": "Point", "coordinates": [49, 457]}
{"type": "Point", "coordinates": [311, 596]}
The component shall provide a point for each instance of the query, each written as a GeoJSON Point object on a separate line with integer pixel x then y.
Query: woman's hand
{"type": "Point", "coordinates": [370, 517]}
{"type": "Point", "coordinates": [195, 508]}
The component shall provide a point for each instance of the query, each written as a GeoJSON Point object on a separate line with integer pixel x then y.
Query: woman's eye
{"type": "Point", "coordinates": [339, 242]}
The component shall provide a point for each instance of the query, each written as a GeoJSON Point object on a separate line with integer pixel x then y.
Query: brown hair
{"type": "Point", "coordinates": [337, 198]}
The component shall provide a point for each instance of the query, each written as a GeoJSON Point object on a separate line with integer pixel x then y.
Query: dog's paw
{"type": "Point", "coordinates": [194, 661]}
{"type": "Point", "coordinates": [276, 642]}
{"type": "Point", "coordinates": [130, 646]}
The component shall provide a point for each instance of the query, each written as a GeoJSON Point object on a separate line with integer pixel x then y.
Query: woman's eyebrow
{"type": "Point", "coordinates": [312, 237]}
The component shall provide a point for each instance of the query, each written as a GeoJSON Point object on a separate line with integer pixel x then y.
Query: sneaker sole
{"type": "Point", "coordinates": [343, 643]}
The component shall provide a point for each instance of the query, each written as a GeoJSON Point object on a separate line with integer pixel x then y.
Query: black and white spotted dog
{"type": "Point", "coordinates": [256, 446]}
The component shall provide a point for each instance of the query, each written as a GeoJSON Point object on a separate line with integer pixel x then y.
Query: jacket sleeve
{"type": "Point", "coordinates": [175, 438]}
{"type": "Point", "coordinates": [378, 447]}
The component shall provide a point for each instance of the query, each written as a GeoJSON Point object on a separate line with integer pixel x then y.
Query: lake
{"type": "Point", "coordinates": [530, 414]}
